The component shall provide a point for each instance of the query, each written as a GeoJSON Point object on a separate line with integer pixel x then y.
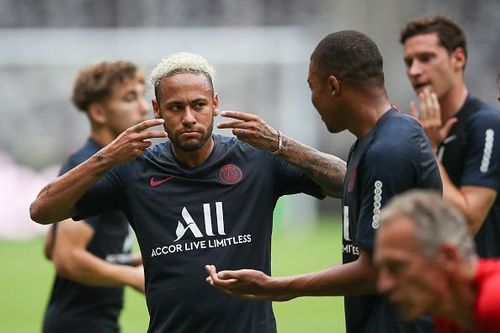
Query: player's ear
{"type": "Point", "coordinates": [215, 105]}
{"type": "Point", "coordinates": [458, 58]}
{"type": "Point", "coordinates": [449, 258]}
{"type": "Point", "coordinates": [156, 109]}
{"type": "Point", "coordinates": [334, 85]}
{"type": "Point", "coordinates": [97, 113]}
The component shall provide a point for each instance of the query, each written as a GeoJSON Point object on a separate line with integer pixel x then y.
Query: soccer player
{"type": "Point", "coordinates": [390, 156]}
{"type": "Point", "coordinates": [93, 258]}
{"type": "Point", "coordinates": [464, 132]}
{"type": "Point", "coordinates": [196, 198]}
{"type": "Point", "coordinates": [427, 263]}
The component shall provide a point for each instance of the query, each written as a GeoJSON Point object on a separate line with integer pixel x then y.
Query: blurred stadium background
{"type": "Point", "coordinates": [260, 49]}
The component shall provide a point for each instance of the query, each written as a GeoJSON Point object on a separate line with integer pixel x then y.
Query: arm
{"type": "Point", "coordinates": [56, 200]}
{"type": "Point", "coordinates": [73, 261]}
{"type": "Point", "coordinates": [326, 170]}
{"type": "Point", "coordinates": [48, 244]}
{"type": "Point", "coordinates": [474, 202]}
{"type": "Point", "coordinates": [355, 278]}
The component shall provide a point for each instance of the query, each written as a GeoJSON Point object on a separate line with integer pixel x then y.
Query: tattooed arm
{"type": "Point", "coordinates": [326, 170]}
{"type": "Point", "coordinates": [56, 200]}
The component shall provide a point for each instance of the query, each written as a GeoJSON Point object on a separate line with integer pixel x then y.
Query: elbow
{"type": "Point", "coordinates": [36, 214]}
{"type": "Point", "coordinates": [63, 269]}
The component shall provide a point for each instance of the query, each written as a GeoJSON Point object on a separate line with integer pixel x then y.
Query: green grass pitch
{"type": "Point", "coordinates": [26, 279]}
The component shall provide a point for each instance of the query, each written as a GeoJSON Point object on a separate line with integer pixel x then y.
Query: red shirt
{"type": "Point", "coordinates": [487, 307]}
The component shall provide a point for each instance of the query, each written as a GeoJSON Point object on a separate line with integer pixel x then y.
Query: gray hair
{"type": "Point", "coordinates": [181, 62]}
{"type": "Point", "coordinates": [436, 222]}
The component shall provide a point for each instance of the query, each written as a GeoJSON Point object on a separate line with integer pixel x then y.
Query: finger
{"type": "Point", "coordinates": [231, 124]}
{"type": "Point", "coordinates": [423, 107]}
{"type": "Point", "coordinates": [239, 115]}
{"type": "Point", "coordinates": [429, 105]}
{"type": "Point", "coordinates": [143, 136]}
{"type": "Point", "coordinates": [413, 110]}
{"type": "Point", "coordinates": [143, 125]}
{"type": "Point", "coordinates": [212, 273]}
{"type": "Point", "coordinates": [435, 105]}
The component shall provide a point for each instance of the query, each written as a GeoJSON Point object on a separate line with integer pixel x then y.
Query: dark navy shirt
{"type": "Point", "coordinates": [471, 156]}
{"type": "Point", "coordinates": [75, 307]}
{"type": "Point", "coordinates": [395, 156]}
{"type": "Point", "coordinates": [219, 213]}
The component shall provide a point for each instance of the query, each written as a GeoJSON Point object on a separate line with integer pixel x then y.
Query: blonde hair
{"type": "Point", "coordinates": [181, 62]}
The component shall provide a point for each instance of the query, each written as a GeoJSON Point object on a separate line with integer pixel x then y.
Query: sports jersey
{"type": "Point", "coordinates": [393, 157]}
{"type": "Point", "coordinates": [470, 156]}
{"type": "Point", "coordinates": [218, 213]}
{"type": "Point", "coordinates": [75, 307]}
{"type": "Point", "coordinates": [487, 306]}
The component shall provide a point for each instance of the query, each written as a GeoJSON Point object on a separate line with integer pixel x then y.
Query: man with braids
{"type": "Point", "coordinates": [464, 132]}
{"type": "Point", "coordinates": [92, 258]}
{"type": "Point", "coordinates": [391, 155]}
{"type": "Point", "coordinates": [427, 263]}
{"type": "Point", "coordinates": [196, 198]}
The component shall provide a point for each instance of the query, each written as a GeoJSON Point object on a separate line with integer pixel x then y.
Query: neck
{"type": "Point", "coordinates": [458, 305]}
{"type": "Point", "coordinates": [195, 158]}
{"type": "Point", "coordinates": [452, 101]}
{"type": "Point", "coordinates": [102, 135]}
{"type": "Point", "coordinates": [366, 108]}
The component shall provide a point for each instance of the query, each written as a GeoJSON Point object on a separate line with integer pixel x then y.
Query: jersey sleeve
{"type": "Point", "coordinates": [108, 194]}
{"type": "Point", "coordinates": [482, 156]}
{"type": "Point", "coordinates": [291, 180]}
{"type": "Point", "coordinates": [385, 172]}
{"type": "Point", "coordinates": [488, 300]}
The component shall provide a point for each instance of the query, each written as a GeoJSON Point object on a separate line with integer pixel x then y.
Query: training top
{"type": "Point", "coordinates": [395, 156]}
{"type": "Point", "coordinates": [487, 307]}
{"type": "Point", "coordinates": [185, 218]}
{"type": "Point", "coordinates": [471, 156]}
{"type": "Point", "coordinates": [75, 307]}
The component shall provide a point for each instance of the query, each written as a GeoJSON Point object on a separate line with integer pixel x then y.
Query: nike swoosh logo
{"type": "Point", "coordinates": [154, 183]}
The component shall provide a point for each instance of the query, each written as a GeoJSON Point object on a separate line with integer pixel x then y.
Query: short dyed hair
{"type": "Point", "coordinates": [450, 35]}
{"type": "Point", "coordinates": [181, 62]}
{"type": "Point", "coordinates": [351, 56]}
{"type": "Point", "coordinates": [436, 222]}
{"type": "Point", "coordinates": [95, 82]}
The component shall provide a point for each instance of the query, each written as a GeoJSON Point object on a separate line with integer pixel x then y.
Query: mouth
{"type": "Point", "coordinates": [190, 133]}
{"type": "Point", "coordinates": [420, 86]}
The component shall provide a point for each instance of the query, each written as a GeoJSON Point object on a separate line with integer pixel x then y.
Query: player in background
{"type": "Point", "coordinates": [464, 132]}
{"type": "Point", "coordinates": [92, 258]}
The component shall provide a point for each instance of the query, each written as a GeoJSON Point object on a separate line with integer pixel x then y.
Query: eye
{"type": "Point", "coordinates": [426, 58]}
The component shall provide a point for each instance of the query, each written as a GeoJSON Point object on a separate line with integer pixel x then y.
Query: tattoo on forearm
{"type": "Point", "coordinates": [101, 159]}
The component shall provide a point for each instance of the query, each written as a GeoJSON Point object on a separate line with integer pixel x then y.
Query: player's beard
{"type": "Point", "coordinates": [192, 145]}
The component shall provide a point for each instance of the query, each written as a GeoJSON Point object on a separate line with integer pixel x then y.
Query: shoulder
{"type": "Point", "coordinates": [483, 116]}
{"type": "Point", "coordinates": [488, 281]}
{"type": "Point", "coordinates": [81, 155]}
{"type": "Point", "coordinates": [397, 134]}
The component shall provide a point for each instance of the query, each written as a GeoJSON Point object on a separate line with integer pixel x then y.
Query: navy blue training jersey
{"type": "Point", "coordinates": [470, 154]}
{"type": "Point", "coordinates": [395, 156]}
{"type": "Point", "coordinates": [75, 307]}
{"type": "Point", "coordinates": [219, 213]}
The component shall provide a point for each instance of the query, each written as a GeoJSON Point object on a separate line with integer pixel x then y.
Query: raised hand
{"type": "Point", "coordinates": [251, 129]}
{"type": "Point", "coordinates": [429, 116]}
{"type": "Point", "coordinates": [132, 142]}
{"type": "Point", "coordinates": [244, 283]}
